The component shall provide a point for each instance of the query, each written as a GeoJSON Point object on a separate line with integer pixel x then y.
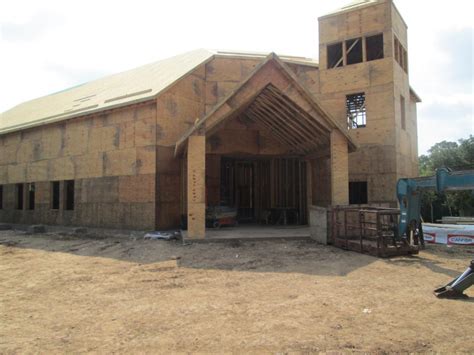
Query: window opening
{"type": "Point", "coordinates": [374, 47]}
{"type": "Point", "coordinates": [334, 52]}
{"type": "Point", "coordinates": [356, 112]}
{"type": "Point", "coordinates": [354, 51]}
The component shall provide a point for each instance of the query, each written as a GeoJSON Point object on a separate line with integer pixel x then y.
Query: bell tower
{"type": "Point", "coordinates": [364, 83]}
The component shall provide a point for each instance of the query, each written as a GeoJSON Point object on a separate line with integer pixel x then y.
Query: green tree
{"type": "Point", "coordinates": [456, 156]}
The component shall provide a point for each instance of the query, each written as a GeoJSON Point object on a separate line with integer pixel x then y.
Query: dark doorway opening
{"type": "Point", "coordinates": [265, 190]}
{"type": "Point", "coordinates": [358, 192]}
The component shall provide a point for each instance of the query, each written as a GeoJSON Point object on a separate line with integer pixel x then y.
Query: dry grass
{"type": "Point", "coordinates": [62, 294]}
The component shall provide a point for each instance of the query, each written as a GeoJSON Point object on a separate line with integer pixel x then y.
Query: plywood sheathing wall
{"type": "Point", "coordinates": [111, 156]}
{"type": "Point", "coordinates": [177, 110]}
{"type": "Point", "coordinates": [385, 152]}
{"type": "Point", "coordinates": [407, 139]}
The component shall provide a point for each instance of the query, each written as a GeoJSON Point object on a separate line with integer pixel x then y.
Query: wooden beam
{"type": "Point", "coordinates": [286, 100]}
{"type": "Point", "coordinates": [315, 135]}
{"type": "Point", "coordinates": [286, 121]}
{"type": "Point", "coordinates": [300, 140]}
{"type": "Point", "coordinates": [268, 125]}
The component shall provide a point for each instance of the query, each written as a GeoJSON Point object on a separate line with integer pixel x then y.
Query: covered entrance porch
{"type": "Point", "coordinates": [264, 190]}
{"type": "Point", "coordinates": [253, 155]}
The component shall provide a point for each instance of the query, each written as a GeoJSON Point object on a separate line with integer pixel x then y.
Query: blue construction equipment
{"type": "Point", "coordinates": [410, 227]}
{"type": "Point", "coordinates": [409, 197]}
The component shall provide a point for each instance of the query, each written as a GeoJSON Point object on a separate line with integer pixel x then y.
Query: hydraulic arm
{"type": "Point", "coordinates": [455, 288]}
{"type": "Point", "coordinates": [409, 196]}
{"type": "Point", "coordinates": [410, 227]}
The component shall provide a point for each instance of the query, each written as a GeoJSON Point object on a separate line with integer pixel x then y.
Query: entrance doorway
{"type": "Point", "coordinates": [265, 190]}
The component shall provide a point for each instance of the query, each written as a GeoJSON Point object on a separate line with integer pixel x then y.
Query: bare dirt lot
{"type": "Point", "coordinates": [62, 293]}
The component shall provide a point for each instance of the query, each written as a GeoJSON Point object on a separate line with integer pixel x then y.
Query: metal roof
{"type": "Point", "coordinates": [132, 86]}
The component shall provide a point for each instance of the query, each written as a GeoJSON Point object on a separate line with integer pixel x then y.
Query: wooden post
{"type": "Point", "coordinates": [339, 169]}
{"type": "Point", "coordinates": [196, 186]}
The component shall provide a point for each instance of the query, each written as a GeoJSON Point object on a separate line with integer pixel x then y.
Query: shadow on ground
{"type": "Point", "coordinates": [298, 256]}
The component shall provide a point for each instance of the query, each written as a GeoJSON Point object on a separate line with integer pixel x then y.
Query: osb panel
{"type": "Point", "coordinates": [37, 171]}
{"type": "Point", "coordinates": [146, 160]}
{"type": "Point", "coordinates": [120, 162]}
{"type": "Point", "coordinates": [223, 69]}
{"type": "Point", "coordinates": [61, 169]}
{"type": "Point", "coordinates": [192, 87]}
{"type": "Point", "coordinates": [270, 145]}
{"type": "Point", "coordinates": [399, 27]}
{"type": "Point", "coordinates": [117, 215]}
{"type": "Point", "coordinates": [117, 117]}
{"type": "Point", "coordinates": [308, 76]}
{"type": "Point", "coordinates": [16, 173]}
{"type": "Point", "coordinates": [211, 93]}
{"type": "Point", "coordinates": [339, 169]}
{"type": "Point", "coordinates": [196, 186]}
{"type": "Point", "coordinates": [141, 112]}
{"type": "Point", "coordinates": [73, 150]}
{"type": "Point", "coordinates": [247, 66]}
{"type": "Point", "coordinates": [11, 138]}
{"type": "Point", "coordinates": [31, 135]}
{"type": "Point", "coordinates": [380, 72]}
{"type": "Point", "coordinates": [196, 169]}
{"type": "Point", "coordinates": [230, 142]}
{"type": "Point", "coordinates": [321, 181]}
{"type": "Point", "coordinates": [351, 24]}
{"type": "Point", "coordinates": [168, 215]}
{"type": "Point", "coordinates": [89, 165]}
{"type": "Point", "coordinates": [137, 188]}
{"type": "Point", "coordinates": [52, 142]}
{"type": "Point", "coordinates": [213, 173]}
{"type": "Point", "coordinates": [373, 160]}
{"type": "Point", "coordinates": [103, 139]}
{"type": "Point", "coordinates": [100, 190]}
{"type": "Point", "coordinates": [224, 88]}
{"type": "Point", "coordinates": [145, 132]}
{"type": "Point", "coordinates": [76, 137]}
{"type": "Point", "coordinates": [42, 193]}
{"type": "Point", "coordinates": [3, 174]}
{"type": "Point", "coordinates": [175, 114]}
{"type": "Point", "coordinates": [348, 78]}
{"type": "Point", "coordinates": [196, 220]}
{"type": "Point", "coordinates": [166, 161]}
{"type": "Point", "coordinates": [381, 187]}
{"type": "Point", "coordinates": [8, 155]}
{"type": "Point", "coordinates": [127, 135]}
{"type": "Point", "coordinates": [169, 187]}
{"type": "Point", "coordinates": [221, 112]}
{"type": "Point", "coordinates": [28, 151]}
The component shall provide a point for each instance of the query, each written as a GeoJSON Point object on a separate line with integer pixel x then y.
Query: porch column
{"type": "Point", "coordinates": [196, 186]}
{"type": "Point", "coordinates": [339, 169]}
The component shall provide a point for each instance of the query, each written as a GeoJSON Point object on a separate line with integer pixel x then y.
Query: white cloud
{"type": "Point", "coordinates": [49, 45]}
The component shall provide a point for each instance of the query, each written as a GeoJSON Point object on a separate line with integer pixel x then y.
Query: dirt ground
{"type": "Point", "coordinates": [61, 293]}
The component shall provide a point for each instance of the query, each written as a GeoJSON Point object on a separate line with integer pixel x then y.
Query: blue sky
{"type": "Point", "coordinates": [49, 45]}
